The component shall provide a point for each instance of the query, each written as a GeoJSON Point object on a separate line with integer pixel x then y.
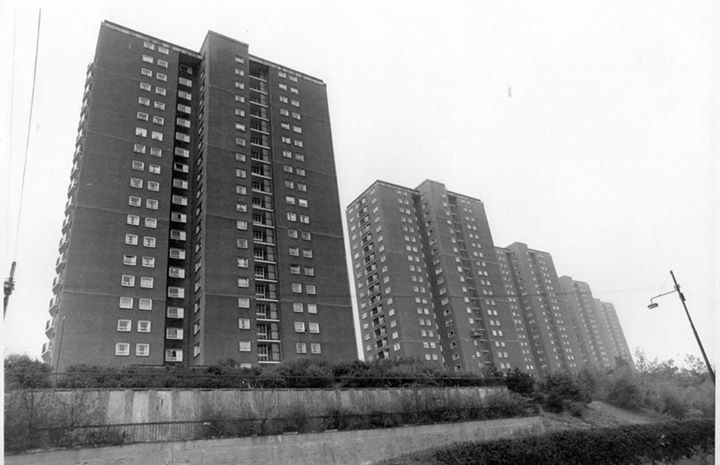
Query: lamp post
{"type": "Point", "coordinates": [697, 338]}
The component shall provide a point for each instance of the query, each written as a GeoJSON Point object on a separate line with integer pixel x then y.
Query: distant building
{"type": "Point", "coordinates": [616, 336]}
{"type": "Point", "coordinates": [429, 282]}
{"type": "Point", "coordinates": [578, 298]}
{"type": "Point", "coordinates": [553, 341]}
{"type": "Point", "coordinates": [203, 220]}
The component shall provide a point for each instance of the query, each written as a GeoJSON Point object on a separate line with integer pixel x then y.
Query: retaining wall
{"type": "Point", "coordinates": [107, 406]}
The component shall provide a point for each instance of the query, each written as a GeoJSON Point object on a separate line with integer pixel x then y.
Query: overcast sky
{"type": "Point", "coordinates": [589, 129]}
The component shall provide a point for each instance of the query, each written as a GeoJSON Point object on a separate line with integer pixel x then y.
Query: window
{"type": "Point", "coordinates": [177, 235]}
{"type": "Point", "coordinates": [306, 235]}
{"type": "Point", "coordinates": [314, 327]}
{"type": "Point", "coordinates": [297, 307]}
{"type": "Point", "coordinates": [148, 262]}
{"type": "Point", "coordinates": [243, 282]}
{"type": "Point", "coordinates": [149, 45]}
{"type": "Point", "coordinates": [310, 289]}
{"type": "Point", "coordinates": [156, 135]}
{"type": "Point", "coordinates": [147, 58]}
{"type": "Point", "coordinates": [312, 308]}
{"type": "Point", "coordinates": [283, 99]}
{"type": "Point", "coordinates": [153, 186]}
{"type": "Point", "coordinates": [154, 169]}
{"type": "Point", "coordinates": [133, 220]}
{"type": "Point", "coordinates": [138, 148]}
{"type": "Point", "coordinates": [244, 323]}
{"type": "Point", "coordinates": [173, 355]}
{"type": "Point", "coordinates": [146, 282]}
{"type": "Point", "coordinates": [302, 187]}
{"type": "Point", "coordinates": [146, 72]}
{"type": "Point", "coordinates": [304, 219]}
{"type": "Point", "coordinates": [138, 165]}
{"type": "Point", "coordinates": [243, 262]}
{"type": "Point", "coordinates": [291, 216]}
{"type": "Point", "coordinates": [241, 225]}
{"type": "Point", "coordinates": [126, 302]}
{"type": "Point", "coordinates": [127, 280]}
{"type": "Point", "coordinates": [160, 90]}
{"type": "Point", "coordinates": [244, 346]}
{"type": "Point", "coordinates": [299, 327]}
{"type": "Point", "coordinates": [145, 304]}
{"type": "Point", "coordinates": [134, 201]}
{"type": "Point", "coordinates": [124, 326]}
{"type": "Point", "coordinates": [144, 101]}
{"type": "Point", "coordinates": [294, 251]}
{"type": "Point", "coordinates": [176, 292]}
{"type": "Point", "coordinates": [149, 241]}
{"type": "Point", "coordinates": [161, 77]}
{"type": "Point", "coordinates": [131, 239]}
{"type": "Point", "coordinates": [297, 288]}
{"type": "Point", "coordinates": [142, 350]}
{"type": "Point", "coordinates": [307, 253]}
{"type": "Point", "coordinates": [122, 349]}
{"type": "Point", "coordinates": [145, 86]}
{"type": "Point", "coordinates": [163, 50]}
{"type": "Point", "coordinates": [142, 116]}
{"type": "Point", "coordinates": [143, 326]}
{"type": "Point", "coordinates": [309, 271]}
{"type": "Point", "coordinates": [303, 203]}
{"type": "Point", "coordinates": [152, 204]}
{"type": "Point", "coordinates": [185, 82]}
{"type": "Point", "coordinates": [162, 63]}
{"type": "Point", "coordinates": [300, 348]}
{"type": "Point", "coordinates": [315, 348]}
{"type": "Point", "coordinates": [300, 171]}
{"type": "Point", "coordinates": [175, 312]}
{"type": "Point", "coordinates": [159, 105]}
{"type": "Point", "coordinates": [243, 302]}
{"type": "Point", "coordinates": [174, 333]}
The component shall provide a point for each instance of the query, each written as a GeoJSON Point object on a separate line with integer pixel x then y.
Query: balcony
{"type": "Point", "coordinates": [259, 86]}
{"type": "Point", "coordinates": [261, 219]}
{"type": "Point", "coordinates": [262, 203]}
{"type": "Point", "coordinates": [50, 328]}
{"type": "Point", "coordinates": [46, 348]}
{"type": "Point", "coordinates": [264, 255]}
{"type": "Point", "coordinates": [57, 283]}
{"type": "Point", "coordinates": [258, 76]}
{"type": "Point", "coordinates": [262, 187]}
{"type": "Point", "coordinates": [60, 263]}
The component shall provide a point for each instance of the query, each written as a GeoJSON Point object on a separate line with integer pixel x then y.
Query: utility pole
{"type": "Point", "coordinates": [697, 338]}
{"type": "Point", "coordinates": [8, 287]}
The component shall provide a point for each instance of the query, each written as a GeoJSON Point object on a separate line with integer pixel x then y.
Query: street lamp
{"type": "Point", "coordinates": [697, 338]}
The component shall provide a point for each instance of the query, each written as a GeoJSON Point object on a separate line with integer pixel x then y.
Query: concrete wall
{"type": "Point", "coordinates": [157, 405]}
{"type": "Point", "coordinates": [341, 447]}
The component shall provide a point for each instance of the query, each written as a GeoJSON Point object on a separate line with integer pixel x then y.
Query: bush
{"type": "Point", "coordinates": [624, 393]}
{"type": "Point", "coordinates": [669, 441]}
{"type": "Point", "coordinates": [22, 372]}
{"type": "Point", "coordinates": [521, 383]}
{"type": "Point", "coordinates": [559, 390]}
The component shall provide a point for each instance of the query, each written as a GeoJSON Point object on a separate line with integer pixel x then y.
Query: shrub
{"type": "Point", "coordinates": [520, 382]}
{"type": "Point", "coordinates": [560, 390]}
{"type": "Point", "coordinates": [625, 393]}
{"type": "Point", "coordinates": [668, 441]}
{"type": "Point", "coordinates": [22, 372]}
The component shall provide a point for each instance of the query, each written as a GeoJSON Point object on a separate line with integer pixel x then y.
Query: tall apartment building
{"type": "Point", "coordinates": [428, 281]}
{"type": "Point", "coordinates": [203, 221]}
{"type": "Point", "coordinates": [552, 338]}
{"type": "Point", "coordinates": [578, 299]}
{"type": "Point", "coordinates": [615, 338]}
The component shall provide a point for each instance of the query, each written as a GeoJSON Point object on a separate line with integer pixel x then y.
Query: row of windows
{"type": "Point", "coordinates": [134, 220]}
{"type": "Point", "coordinates": [135, 201]}
{"type": "Point", "coordinates": [122, 349]}
{"type": "Point", "coordinates": [312, 327]}
{"type": "Point", "coordinates": [301, 348]}
{"type": "Point", "coordinates": [125, 326]}
{"type": "Point", "coordinates": [146, 282]}
{"type": "Point", "coordinates": [138, 165]}
{"type": "Point", "coordinates": [148, 241]}
{"type": "Point", "coordinates": [160, 48]}
{"type": "Point", "coordinates": [309, 288]}
{"type": "Point", "coordinates": [160, 62]}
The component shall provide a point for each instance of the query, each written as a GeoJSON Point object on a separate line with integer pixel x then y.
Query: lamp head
{"type": "Point", "coordinates": [653, 305]}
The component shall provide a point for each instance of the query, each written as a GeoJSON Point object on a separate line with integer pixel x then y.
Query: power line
{"type": "Point", "coordinates": [27, 139]}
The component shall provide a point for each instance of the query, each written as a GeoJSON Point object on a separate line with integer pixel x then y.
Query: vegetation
{"type": "Point", "coordinates": [666, 441]}
{"type": "Point", "coordinates": [23, 373]}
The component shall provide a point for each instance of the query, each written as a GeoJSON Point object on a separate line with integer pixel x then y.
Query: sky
{"type": "Point", "coordinates": [588, 129]}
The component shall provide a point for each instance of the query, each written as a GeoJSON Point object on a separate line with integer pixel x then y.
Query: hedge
{"type": "Point", "coordinates": [631, 445]}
